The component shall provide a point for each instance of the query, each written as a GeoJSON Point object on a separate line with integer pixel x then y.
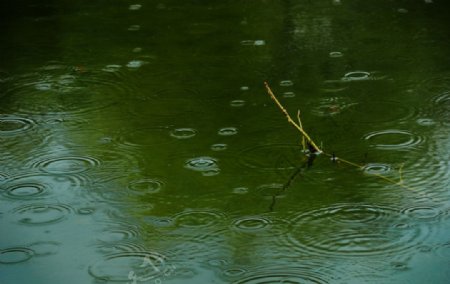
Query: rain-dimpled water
{"type": "Point", "coordinates": [139, 143]}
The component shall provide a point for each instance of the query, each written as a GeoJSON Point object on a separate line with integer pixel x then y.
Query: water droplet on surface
{"type": "Point", "coordinates": [259, 42]}
{"type": "Point", "coordinates": [335, 54]}
{"type": "Point", "coordinates": [288, 95]}
{"type": "Point", "coordinates": [356, 76]}
{"type": "Point", "coordinates": [240, 190]}
{"type": "Point", "coordinates": [183, 133]}
{"type": "Point", "coordinates": [134, 28]}
{"type": "Point", "coordinates": [219, 147]}
{"type": "Point", "coordinates": [227, 131]}
{"type": "Point", "coordinates": [112, 68]}
{"type": "Point", "coordinates": [135, 64]}
{"type": "Point", "coordinates": [15, 255]}
{"type": "Point", "coordinates": [425, 122]}
{"type": "Point", "coordinates": [201, 163]}
{"type": "Point", "coordinates": [147, 185]}
{"type": "Point", "coordinates": [135, 7]}
{"type": "Point", "coordinates": [237, 103]}
{"type": "Point", "coordinates": [286, 83]}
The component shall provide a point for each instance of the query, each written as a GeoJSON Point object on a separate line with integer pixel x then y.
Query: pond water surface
{"type": "Point", "coordinates": [138, 143]}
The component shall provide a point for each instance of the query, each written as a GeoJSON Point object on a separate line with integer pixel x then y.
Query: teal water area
{"type": "Point", "coordinates": [138, 143]}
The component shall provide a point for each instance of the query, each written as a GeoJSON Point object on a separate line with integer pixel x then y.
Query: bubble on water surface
{"type": "Point", "coordinates": [41, 214]}
{"type": "Point", "coordinates": [227, 131]}
{"type": "Point", "coordinates": [288, 95]}
{"type": "Point", "coordinates": [15, 255]}
{"type": "Point", "coordinates": [183, 133]}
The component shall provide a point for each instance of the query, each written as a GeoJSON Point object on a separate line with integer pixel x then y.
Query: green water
{"type": "Point", "coordinates": [138, 143]}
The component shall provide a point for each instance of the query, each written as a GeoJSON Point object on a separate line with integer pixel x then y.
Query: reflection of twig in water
{"type": "Point", "coordinates": [307, 164]}
{"type": "Point", "coordinates": [314, 149]}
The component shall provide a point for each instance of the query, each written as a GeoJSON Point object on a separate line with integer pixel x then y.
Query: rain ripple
{"type": "Point", "coordinates": [308, 274]}
{"type": "Point", "coordinates": [123, 267]}
{"type": "Point", "coordinates": [11, 125]}
{"type": "Point", "coordinates": [64, 89]}
{"type": "Point", "coordinates": [206, 165]}
{"type": "Point", "coordinates": [41, 214]}
{"type": "Point", "coordinates": [15, 255]}
{"type": "Point", "coordinates": [355, 230]}
{"type": "Point", "coordinates": [66, 164]}
{"type": "Point", "coordinates": [393, 139]}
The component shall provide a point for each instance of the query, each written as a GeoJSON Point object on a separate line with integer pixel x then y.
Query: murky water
{"type": "Point", "coordinates": [139, 145]}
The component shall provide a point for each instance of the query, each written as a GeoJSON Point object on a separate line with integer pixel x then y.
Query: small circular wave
{"type": "Point", "coordinates": [393, 139]}
{"type": "Point", "coordinates": [64, 89]}
{"type": "Point", "coordinates": [198, 218]}
{"type": "Point", "coordinates": [144, 137]}
{"type": "Point", "coordinates": [270, 190]}
{"type": "Point", "coordinates": [41, 214]}
{"type": "Point", "coordinates": [183, 133]}
{"type": "Point", "coordinates": [423, 213]}
{"type": "Point", "coordinates": [332, 106]}
{"type": "Point", "coordinates": [123, 267]}
{"type": "Point", "coordinates": [227, 131]}
{"type": "Point", "coordinates": [300, 274]}
{"type": "Point", "coordinates": [271, 157]}
{"type": "Point", "coordinates": [219, 147]}
{"type": "Point", "coordinates": [376, 169]}
{"type": "Point", "coordinates": [65, 164]}
{"type": "Point", "coordinates": [11, 125]}
{"type": "Point", "coordinates": [206, 165]}
{"type": "Point", "coordinates": [44, 248]}
{"type": "Point", "coordinates": [355, 230]}
{"type": "Point", "coordinates": [116, 232]}
{"type": "Point", "coordinates": [120, 247]}
{"type": "Point", "coordinates": [146, 186]}
{"type": "Point", "coordinates": [15, 255]}
{"type": "Point", "coordinates": [263, 226]}
{"type": "Point", "coordinates": [25, 190]}
{"type": "Point", "coordinates": [237, 103]}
